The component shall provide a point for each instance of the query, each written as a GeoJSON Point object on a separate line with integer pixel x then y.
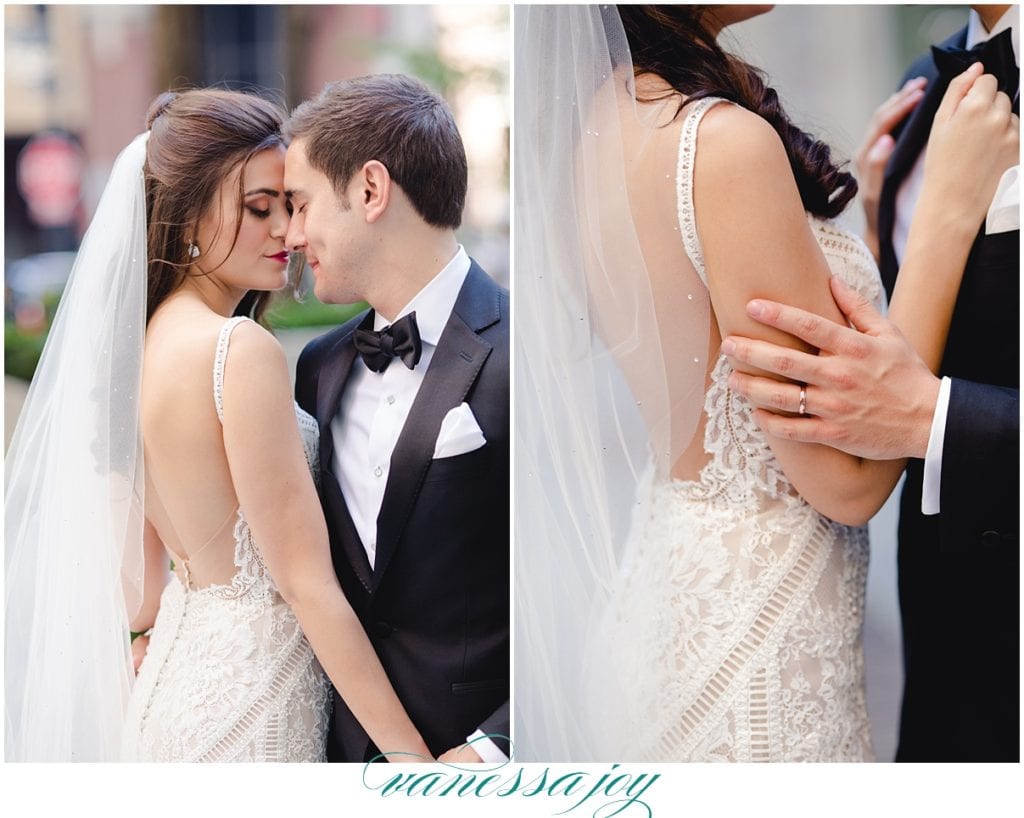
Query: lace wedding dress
{"type": "Point", "coordinates": [737, 622]}
{"type": "Point", "coordinates": [229, 675]}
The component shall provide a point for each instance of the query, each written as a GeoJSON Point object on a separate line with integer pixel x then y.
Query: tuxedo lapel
{"type": "Point", "coordinates": [911, 139]}
{"type": "Point", "coordinates": [328, 397]}
{"type": "Point", "coordinates": [914, 135]}
{"type": "Point", "coordinates": [456, 363]}
{"type": "Point", "coordinates": [909, 145]}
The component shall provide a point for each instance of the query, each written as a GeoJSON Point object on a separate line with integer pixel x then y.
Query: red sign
{"type": "Point", "coordinates": [50, 178]}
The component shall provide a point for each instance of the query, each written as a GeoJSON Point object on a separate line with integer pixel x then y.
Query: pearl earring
{"type": "Point", "coordinates": [193, 251]}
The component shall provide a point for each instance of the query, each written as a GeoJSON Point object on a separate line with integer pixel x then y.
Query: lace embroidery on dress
{"type": "Point", "coordinates": [738, 620]}
{"type": "Point", "coordinates": [229, 675]}
{"type": "Point", "coordinates": [309, 431]}
{"type": "Point", "coordinates": [849, 258]}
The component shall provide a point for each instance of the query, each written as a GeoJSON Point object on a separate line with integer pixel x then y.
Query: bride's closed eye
{"type": "Point", "coordinates": [260, 202]}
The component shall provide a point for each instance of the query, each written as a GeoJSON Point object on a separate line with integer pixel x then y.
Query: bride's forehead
{"type": "Point", "coordinates": [266, 166]}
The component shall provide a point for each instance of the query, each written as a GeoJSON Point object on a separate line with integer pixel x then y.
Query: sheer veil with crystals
{"type": "Point", "coordinates": [611, 342]}
{"type": "Point", "coordinates": [74, 505]}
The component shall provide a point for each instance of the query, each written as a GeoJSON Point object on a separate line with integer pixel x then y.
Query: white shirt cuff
{"type": "Point", "coordinates": [930, 490]}
{"type": "Point", "coordinates": [485, 748]}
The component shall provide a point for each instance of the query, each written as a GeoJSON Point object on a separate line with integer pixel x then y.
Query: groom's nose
{"type": "Point", "coordinates": [279, 226]}
{"type": "Point", "coordinates": [294, 239]}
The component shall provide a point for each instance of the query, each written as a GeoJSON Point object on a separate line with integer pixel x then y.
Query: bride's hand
{"type": "Point", "coordinates": [139, 646]}
{"type": "Point", "coordinates": [463, 754]}
{"type": "Point", "coordinates": [975, 138]}
{"type": "Point", "coordinates": [875, 149]}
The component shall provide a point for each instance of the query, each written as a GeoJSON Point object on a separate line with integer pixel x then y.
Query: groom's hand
{"type": "Point", "coordinates": [868, 392]}
{"type": "Point", "coordinates": [463, 754]}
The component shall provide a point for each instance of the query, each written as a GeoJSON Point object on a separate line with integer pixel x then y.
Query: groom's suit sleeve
{"type": "Point", "coordinates": [496, 727]}
{"type": "Point", "coordinates": [980, 478]}
{"type": "Point", "coordinates": [306, 371]}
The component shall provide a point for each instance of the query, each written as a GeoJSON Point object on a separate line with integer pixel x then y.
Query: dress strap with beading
{"type": "Point", "coordinates": [218, 362]}
{"type": "Point", "coordinates": [684, 182]}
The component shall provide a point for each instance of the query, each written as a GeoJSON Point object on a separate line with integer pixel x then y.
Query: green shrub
{"type": "Point", "coordinates": [21, 351]}
{"type": "Point", "coordinates": [287, 313]}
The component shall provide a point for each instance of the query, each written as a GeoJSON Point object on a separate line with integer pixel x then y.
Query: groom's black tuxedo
{"type": "Point", "coordinates": [958, 570]}
{"type": "Point", "coordinates": [436, 603]}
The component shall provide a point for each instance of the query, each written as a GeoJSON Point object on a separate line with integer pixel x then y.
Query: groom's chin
{"type": "Point", "coordinates": [323, 294]}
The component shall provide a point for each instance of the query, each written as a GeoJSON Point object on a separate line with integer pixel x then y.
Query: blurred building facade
{"type": "Point", "coordinates": [90, 72]}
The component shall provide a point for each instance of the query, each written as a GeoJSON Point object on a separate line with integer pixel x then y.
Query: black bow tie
{"type": "Point", "coordinates": [996, 54]}
{"type": "Point", "coordinates": [399, 340]}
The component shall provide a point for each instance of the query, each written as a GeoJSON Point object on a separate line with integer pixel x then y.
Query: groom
{"type": "Point", "coordinates": [412, 400]}
{"type": "Point", "coordinates": [959, 547]}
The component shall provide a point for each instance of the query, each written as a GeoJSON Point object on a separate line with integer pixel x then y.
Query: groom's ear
{"type": "Point", "coordinates": [375, 190]}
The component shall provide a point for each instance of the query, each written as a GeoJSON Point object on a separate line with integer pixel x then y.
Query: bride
{"type": "Point", "coordinates": [688, 588]}
{"type": "Point", "coordinates": [145, 357]}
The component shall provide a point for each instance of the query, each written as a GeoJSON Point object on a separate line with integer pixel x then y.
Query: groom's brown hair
{"type": "Point", "coordinates": [397, 121]}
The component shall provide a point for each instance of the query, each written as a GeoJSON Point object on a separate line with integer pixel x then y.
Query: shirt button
{"type": "Point", "coordinates": [391, 399]}
{"type": "Point", "coordinates": [377, 472]}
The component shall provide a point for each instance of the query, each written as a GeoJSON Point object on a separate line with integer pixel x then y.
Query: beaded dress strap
{"type": "Point", "coordinates": [684, 183]}
{"type": "Point", "coordinates": [219, 360]}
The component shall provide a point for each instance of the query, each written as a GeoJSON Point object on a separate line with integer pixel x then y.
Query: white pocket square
{"type": "Point", "coordinates": [459, 433]}
{"type": "Point", "coordinates": [1004, 212]}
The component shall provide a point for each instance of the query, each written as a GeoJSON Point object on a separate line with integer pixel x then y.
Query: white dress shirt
{"type": "Point", "coordinates": [906, 202]}
{"type": "Point", "coordinates": [375, 405]}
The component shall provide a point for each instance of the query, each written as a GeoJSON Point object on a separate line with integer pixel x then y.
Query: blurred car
{"type": "Point", "coordinates": [27, 283]}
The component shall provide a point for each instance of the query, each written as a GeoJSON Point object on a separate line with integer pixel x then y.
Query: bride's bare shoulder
{"type": "Point", "coordinates": [253, 346]}
{"type": "Point", "coordinates": [184, 329]}
{"type": "Point", "coordinates": [181, 347]}
{"type": "Point", "coordinates": [735, 143]}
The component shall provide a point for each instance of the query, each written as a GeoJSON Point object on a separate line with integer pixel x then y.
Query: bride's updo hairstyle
{"type": "Point", "coordinates": [197, 138]}
{"type": "Point", "coordinates": [673, 43]}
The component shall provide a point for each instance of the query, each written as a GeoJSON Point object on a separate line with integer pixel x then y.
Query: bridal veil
{"type": "Point", "coordinates": [74, 498]}
{"type": "Point", "coordinates": [610, 362]}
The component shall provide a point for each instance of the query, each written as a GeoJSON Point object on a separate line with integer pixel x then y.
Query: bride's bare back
{"type": "Point", "coordinates": [190, 497]}
{"type": "Point", "coordinates": [680, 324]}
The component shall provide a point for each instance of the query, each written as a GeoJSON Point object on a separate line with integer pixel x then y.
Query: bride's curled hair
{"type": "Point", "coordinates": [197, 138]}
{"type": "Point", "coordinates": [673, 43]}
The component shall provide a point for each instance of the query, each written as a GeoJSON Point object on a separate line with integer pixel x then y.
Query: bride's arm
{"type": "Point", "coordinates": [155, 576]}
{"type": "Point", "coordinates": [280, 503]}
{"type": "Point", "coordinates": [757, 244]}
